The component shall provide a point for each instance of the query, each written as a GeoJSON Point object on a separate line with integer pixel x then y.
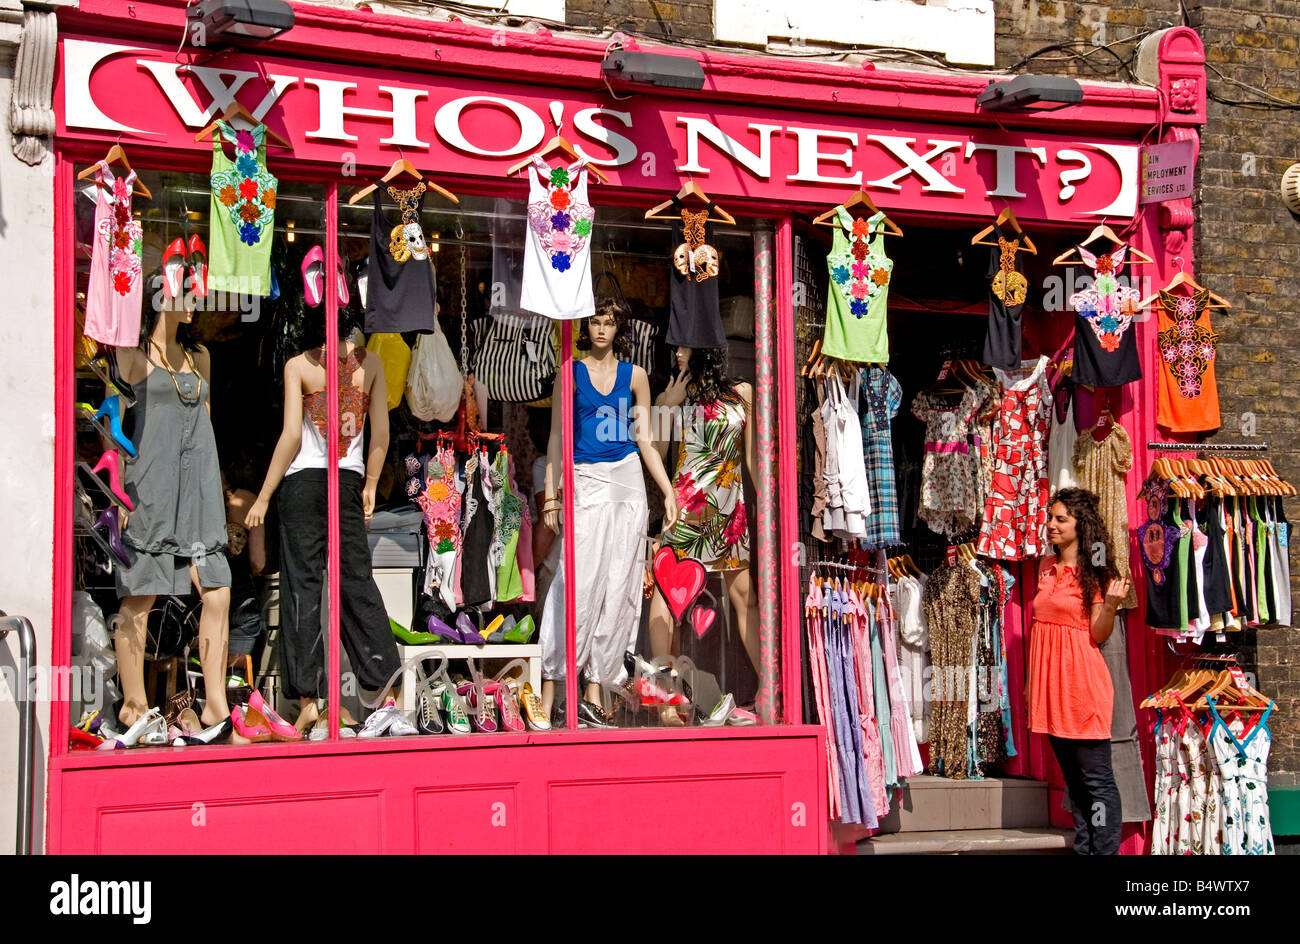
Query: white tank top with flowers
{"type": "Point", "coordinates": [557, 254]}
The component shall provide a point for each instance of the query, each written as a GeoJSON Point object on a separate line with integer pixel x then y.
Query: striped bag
{"type": "Point", "coordinates": [515, 356]}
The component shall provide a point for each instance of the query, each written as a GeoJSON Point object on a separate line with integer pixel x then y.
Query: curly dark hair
{"type": "Point", "coordinates": [710, 381]}
{"type": "Point", "coordinates": [1092, 538]}
{"type": "Point", "coordinates": [622, 337]}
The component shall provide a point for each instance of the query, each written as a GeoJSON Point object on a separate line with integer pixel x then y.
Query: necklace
{"type": "Point", "coordinates": [162, 362]}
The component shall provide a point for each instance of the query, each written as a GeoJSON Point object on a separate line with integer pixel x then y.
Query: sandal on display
{"type": "Point", "coordinates": [83, 740]}
{"type": "Point", "coordinates": [112, 408]}
{"type": "Point", "coordinates": [742, 717]}
{"type": "Point", "coordinates": [198, 257]}
{"type": "Point", "coordinates": [320, 731]}
{"type": "Point", "coordinates": [522, 631]}
{"type": "Point", "coordinates": [111, 375]}
{"type": "Point", "coordinates": [313, 276]}
{"type": "Point", "coordinates": [173, 266]}
{"type": "Point", "coordinates": [720, 713]}
{"type": "Point", "coordinates": [282, 729]}
{"type": "Point", "coordinates": [497, 629]}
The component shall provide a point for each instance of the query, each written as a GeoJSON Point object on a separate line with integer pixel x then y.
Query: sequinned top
{"type": "Point", "coordinates": [354, 404]}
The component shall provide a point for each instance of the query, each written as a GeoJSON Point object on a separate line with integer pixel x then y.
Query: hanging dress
{"type": "Point", "coordinates": [402, 294]}
{"type": "Point", "coordinates": [440, 500]}
{"type": "Point", "coordinates": [950, 471]}
{"type": "Point", "coordinates": [1007, 292]}
{"type": "Point", "coordinates": [1158, 538]}
{"type": "Point", "coordinates": [116, 286]}
{"type": "Point", "coordinates": [882, 395]}
{"type": "Point", "coordinates": [857, 327]}
{"type": "Point", "coordinates": [1188, 395]}
{"type": "Point", "coordinates": [694, 316]}
{"type": "Point", "coordinates": [848, 498]}
{"type": "Point", "coordinates": [1100, 467]}
{"type": "Point", "coordinates": [1061, 439]}
{"type": "Point", "coordinates": [557, 251]}
{"type": "Point", "coordinates": [1243, 765]}
{"type": "Point", "coordinates": [1015, 515]}
{"type": "Point", "coordinates": [713, 527]}
{"type": "Point", "coordinates": [242, 213]}
{"type": "Point", "coordinates": [1105, 345]}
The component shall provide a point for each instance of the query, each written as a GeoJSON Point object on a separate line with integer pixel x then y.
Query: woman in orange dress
{"type": "Point", "coordinates": [1068, 684]}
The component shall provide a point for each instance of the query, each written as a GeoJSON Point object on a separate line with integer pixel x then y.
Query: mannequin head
{"type": "Point", "coordinates": [174, 314]}
{"type": "Point", "coordinates": [710, 382]}
{"type": "Point", "coordinates": [606, 330]}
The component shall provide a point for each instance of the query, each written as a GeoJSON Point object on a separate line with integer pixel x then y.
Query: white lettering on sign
{"type": "Point", "coordinates": [760, 164]}
{"type": "Point", "coordinates": [79, 61]}
{"type": "Point", "coordinates": [914, 163]}
{"type": "Point", "coordinates": [223, 93]}
{"type": "Point", "coordinates": [625, 149]}
{"type": "Point", "coordinates": [810, 157]}
{"type": "Point", "coordinates": [333, 111]}
{"type": "Point", "coordinates": [447, 123]}
{"type": "Point", "coordinates": [1006, 166]}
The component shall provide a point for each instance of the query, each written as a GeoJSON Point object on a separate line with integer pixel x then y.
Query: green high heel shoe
{"type": "Point", "coordinates": [408, 638]}
{"type": "Point", "coordinates": [522, 631]}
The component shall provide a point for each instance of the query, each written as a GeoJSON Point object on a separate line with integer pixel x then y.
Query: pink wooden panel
{"type": "Point", "coordinates": [468, 819]}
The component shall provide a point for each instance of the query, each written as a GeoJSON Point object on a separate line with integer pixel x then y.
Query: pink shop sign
{"type": "Point", "coordinates": [352, 116]}
{"type": "Point", "coordinates": [1168, 171]}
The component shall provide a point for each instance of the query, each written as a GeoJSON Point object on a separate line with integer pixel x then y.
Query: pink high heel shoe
{"type": "Point", "coordinates": [109, 462]}
{"type": "Point", "coordinates": [313, 276]}
{"type": "Point", "coordinates": [279, 727]}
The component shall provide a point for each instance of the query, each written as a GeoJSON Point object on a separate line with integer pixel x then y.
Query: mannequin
{"type": "Point", "coordinates": [178, 529]}
{"type": "Point", "coordinates": [298, 470]}
{"type": "Point", "coordinates": [611, 402]}
{"type": "Point", "coordinates": [706, 394]}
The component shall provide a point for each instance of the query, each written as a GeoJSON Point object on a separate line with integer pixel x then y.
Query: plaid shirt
{"type": "Point", "coordinates": [882, 395]}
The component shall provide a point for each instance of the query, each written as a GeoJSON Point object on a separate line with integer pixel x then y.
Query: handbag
{"type": "Point", "coordinates": [516, 359]}
{"type": "Point", "coordinates": [433, 383]}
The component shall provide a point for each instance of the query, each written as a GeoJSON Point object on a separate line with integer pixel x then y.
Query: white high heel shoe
{"type": "Point", "coordinates": [149, 730]}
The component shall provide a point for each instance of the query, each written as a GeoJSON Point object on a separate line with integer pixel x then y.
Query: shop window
{"type": "Point", "coordinates": [463, 624]}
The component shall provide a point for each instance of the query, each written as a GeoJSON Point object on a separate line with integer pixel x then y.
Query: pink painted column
{"type": "Point", "coordinates": [769, 612]}
{"type": "Point", "coordinates": [570, 588]}
{"type": "Point", "coordinates": [331, 449]}
{"type": "Point", "coordinates": [788, 498]}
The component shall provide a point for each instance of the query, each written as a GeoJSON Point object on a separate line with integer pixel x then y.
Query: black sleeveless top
{"type": "Point", "coordinates": [400, 295]}
{"type": "Point", "coordinates": [1218, 590]}
{"type": "Point", "coordinates": [1158, 545]}
{"type": "Point", "coordinates": [1007, 292]}
{"type": "Point", "coordinates": [694, 318]}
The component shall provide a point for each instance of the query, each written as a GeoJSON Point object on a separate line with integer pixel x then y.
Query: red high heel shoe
{"type": "Point", "coordinates": [109, 461]}
{"type": "Point", "coordinates": [198, 255]}
{"type": "Point", "coordinates": [173, 266]}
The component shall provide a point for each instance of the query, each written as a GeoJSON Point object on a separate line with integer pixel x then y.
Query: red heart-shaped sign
{"type": "Point", "coordinates": [702, 620]}
{"type": "Point", "coordinates": [680, 581]}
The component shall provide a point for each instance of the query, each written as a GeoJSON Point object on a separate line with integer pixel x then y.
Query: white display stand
{"type": "Point", "coordinates": [532, 653]}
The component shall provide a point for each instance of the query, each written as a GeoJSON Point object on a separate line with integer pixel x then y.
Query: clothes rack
{"type": "Point", "coordinates": [1207, 447]}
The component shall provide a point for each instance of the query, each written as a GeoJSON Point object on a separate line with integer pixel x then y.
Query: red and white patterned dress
{"type": "Point", "coordinates": [1015, 511]}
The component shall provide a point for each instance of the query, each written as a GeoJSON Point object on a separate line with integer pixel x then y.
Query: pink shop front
{"type": "Point", "coordinates": [342, 97]}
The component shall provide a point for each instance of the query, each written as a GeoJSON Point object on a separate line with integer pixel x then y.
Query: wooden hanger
{"type": "Point", "coordinates": [116, 154]}
{"type": "Point", "coordinates": [1006, 218]}
{"type": "Point", "coordinates": [690, 191]}
{"type": "Point", "coordinates": [947, 373]}
{"type": "Point", "coordinates": [561, 145]}
{"type": "Point", "coordinates": [860, 199]}
{"type": "Point", "coordinates": [236, 110]}
{"type": "Point", "coordinates": [812, 358]}
{"type": "Point", "coordinates": [1182, 278]}
{"type": "Point", "coordinates": [1136, 256]}
{"type": "Point", "coordinates": [399, 167]}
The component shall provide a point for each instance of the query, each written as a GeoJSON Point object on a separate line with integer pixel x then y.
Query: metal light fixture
{"type": "Point", "coordinates": [1026, 92]}
{"type": "Point", "coordinates": [648, 68]}
{"type": "Point", "coordinates": [240, 20]}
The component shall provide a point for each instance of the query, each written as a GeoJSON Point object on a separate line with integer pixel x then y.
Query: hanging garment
{"type": "Point", "coordinates": [1100, 467]}
{"type": "Point", "coordinates": [609, 531]}
{"type": "Point", "coordinates": [557, 255]}
{"type": "Point", "coordinates": [402, 295]}
{"type": "Point", "coordinates": [950, 472]}
{"type": "Point", "coordinates": [1168, 820]}
{"type": "Point", "coordinates": [1007, 293]}
{"type": "Point", "coordinates": [872, 749]}
{"type": "Point", "coordinates": [1243, 765]}
{"type": "Point", "coordinates": [713, 527]}
{"type": "Point", "coordinates": [1198, 615]}
{"type": "Point", "coordinates": [1189, 817]}
{"type": "Point", "coordinates": [989, 737]}
{"type": "Point", "coordinates": [882, 396]}
{"type": "Point", "coordinates": [116, 289]}
{"type": "Point", "coordinates": [1015, 515]}
{"type": "Point", "coordinates": [508, 512]}
{"type": "Point", "coordinates": [1105, 346]}
{"type": "Point", "coordinates": [1279, 540]}
{"type": "Point", "coordinates": [175, 484]}
{"type": "Point", "coordinates": [1061, 439]}
{"type": "Point", "coordinates": [842, 672]}
{"type": "Point", "coordinates": [857, 326]}
{"type": "Point", "coordinates": [848, 500]}
{"type": "Point", "coordinates": [354, 407]}
{"type": "Point", "coordinates": [242, 213]}
{"type": "Point", "coordinates": [440, 500]}
{"type": "Point", "coordinates": [1187, 397]}
{"type": "Point", "coordinates": [907, 754]}
{"type": "Point", "coordinates": [913, 652]}
{"type": "Point", "coordinates": [1218, 585]}
{"type": "Point", "coordinates": [951, 599]}
{"type": "Point", "coordinates": [1125, 751]}
{"type": "Point", "coordinates": [880, 692]}
{"type": "Point", "coordinates": [1158, 539]}
{"type": "Point", "coordinates": [816, 614]}
{"type": "Point", "coordinates": [477, 574]}
{"type": "Point", "coordinates": [694, 317]}
{"type": "Point", "coordinates": [817, 431]}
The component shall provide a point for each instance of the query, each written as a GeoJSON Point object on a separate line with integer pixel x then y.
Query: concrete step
{"type": "Point", "coordinates": [1037, 840]}
{"type": "Point", "coordinates": [929, 804]}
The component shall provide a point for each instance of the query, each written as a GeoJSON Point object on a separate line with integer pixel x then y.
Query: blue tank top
{"type": "Point", "coordinates": [600, 421]}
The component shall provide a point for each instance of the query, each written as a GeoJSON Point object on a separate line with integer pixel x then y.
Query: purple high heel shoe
{"type": "Point", "coordinates": [440, 629]}
{"type": "Point", "coordinates": [468, 633]}
{"type": "Point", "coordinates": [107, 521]}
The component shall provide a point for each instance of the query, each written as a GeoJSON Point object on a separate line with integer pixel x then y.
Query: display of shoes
{"type": "Point", "coordinates": [249, 725]}
{"type": "Point", "coordinates": [720, 713]}
{"type": "Point", "coordinates": [468, 633]}
{"type": "Point", "coordinates": [481, 710]}
{"type": "Point", "coordinates": [534, 714]}
{"type": "Point", "coordinates": [198, 257]}
{"type": "Point", "coordinates": [214, 734]}
{"type": "Point", "coordinates": [173, 268]}
{"type": "Point", "coordinates": [282, 729]}
{"type": "Point", "coordinates": [112, 408]}
{"type": "Point", "coordinates": [507, 707]}
{"type": "Point", "coordinates": [497, 629]}
{"type": "Point", "coordinates": [313, 276]}
{"type": "Point", "coordinates": [409, 637]}
{"type": "Point", "coordinates": [742, 718]}
{"type": "Point", "coordinates": [522, 632]}
{"type": "Point", "coordinates": [428, 719]}
{"type": "Point", "coordinates": [388, 719]}
{"type": "Point", "coordinates": [149, 730]}
{"type": "Point", "coordinates": [592, 715]}
{"type": "Point", "coordinates": [453, 708]}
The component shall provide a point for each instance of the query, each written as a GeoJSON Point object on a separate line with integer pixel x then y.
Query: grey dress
{"type": "Point", "coordinates": [175, 483]}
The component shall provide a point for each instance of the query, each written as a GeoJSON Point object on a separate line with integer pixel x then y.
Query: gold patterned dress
{"type": "Point", "coordinates": [1100, 468]}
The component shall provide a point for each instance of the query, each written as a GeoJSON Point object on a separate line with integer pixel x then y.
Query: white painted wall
{"type": "Point", "coordinates": [962, 30]}
{"type": "Point", "coordinates": [27, 405]}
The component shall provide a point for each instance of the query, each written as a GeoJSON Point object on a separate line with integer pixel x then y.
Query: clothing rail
{"type": "Point", "coordinates": [1207, 447]}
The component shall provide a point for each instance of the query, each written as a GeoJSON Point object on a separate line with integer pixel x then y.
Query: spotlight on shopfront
{"type": "Point", "coordinates": [1026, 92]}
{"type": "Point", "coordinates": [229, 21]}
{"type": "Point", "coordinates": [648, 68]}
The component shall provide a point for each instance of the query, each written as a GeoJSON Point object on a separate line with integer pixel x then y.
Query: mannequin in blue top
{"type": "Point", "coordinates": [611, 401]}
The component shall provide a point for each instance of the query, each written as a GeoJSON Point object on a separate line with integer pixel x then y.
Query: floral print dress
{"type": "Point", "coordinates": [1015, 512]}
{"type": "Point", "coordinates": [713, 526]}
{"type": "Point", "coordinates": [951, 470]}
{"type": "Point", "coordinates": [1243, 766]}
{"type": "Point", "coordinates": [115, 292]}
{"type": "Point", "coordinates": [242, 213]}
{"type": "Point", "coordinates": [440, 500]}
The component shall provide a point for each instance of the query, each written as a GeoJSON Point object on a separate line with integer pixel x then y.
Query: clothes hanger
{"type": "Point", "coordinates": [116, 154]}
{"type": "Point", "coordinates": [1006, 218]}
{"type": "Point", "coordinates": [1136, 256]}
{"type": "Point", "coordinates": [946, 372]}
{"type": "Point", "coordinates": [557, 144]}
{"type": "Point", "coordinates": [690, 191]}
{"type": "Point", "coordinates": [1182, 278]}
{"type": "Point", "coordinates": [236, 110]}
{"type": "Point", "coordinates": [859, 199]}
{"type": "Point", "coordinates": [812, 357]}
{"type": "Point", "coordinates": [399, 167]}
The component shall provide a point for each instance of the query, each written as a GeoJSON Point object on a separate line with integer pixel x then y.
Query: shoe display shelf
{"type": "Point", "coordinates": [531, 653]}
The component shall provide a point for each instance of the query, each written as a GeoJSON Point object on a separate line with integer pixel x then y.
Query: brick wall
{"type": "Point", "coordinates": [1248, 244]}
